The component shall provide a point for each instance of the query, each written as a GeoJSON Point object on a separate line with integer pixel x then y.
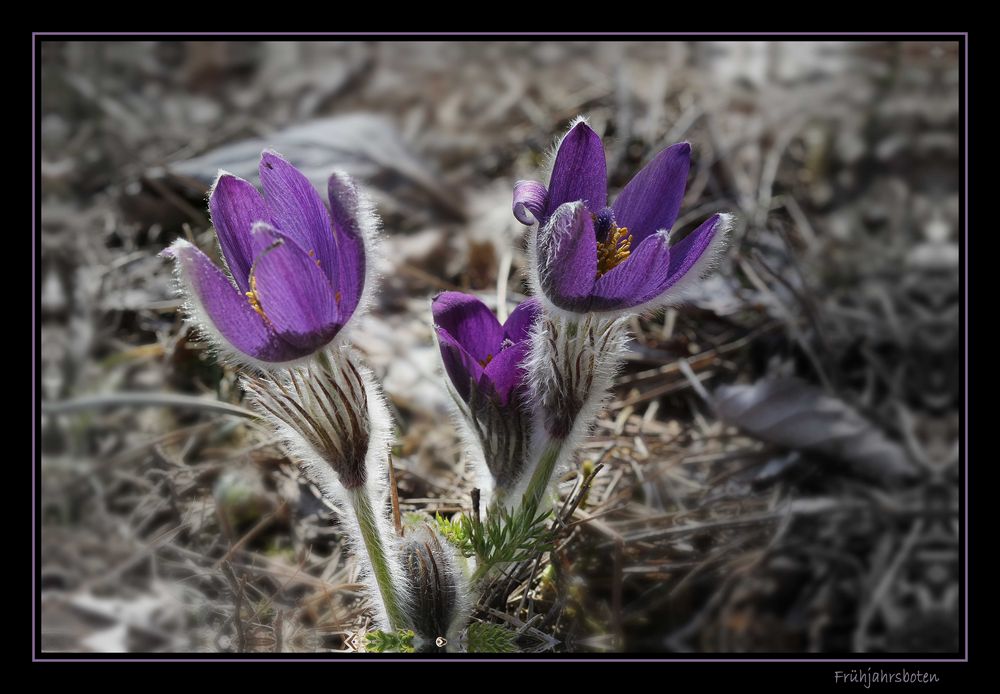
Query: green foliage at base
{"type": "Point", "coordinates": [490, 638]}
{"type": "Point", "coordinates": [453, 531]}
{"type": "Point", "coordinates": [504, 538]}
{"type": "Point", "coordinates": [400, 641]}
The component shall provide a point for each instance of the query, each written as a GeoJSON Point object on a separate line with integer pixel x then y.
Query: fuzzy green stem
{"type": "Point", "coordinates": [370, 535]}
{"type": "Point", "coordinates": [539, 483]}
{"type": "Point", "coordinates": [480, 571]}
{"type": "Point", "coordinates": [376, 556]}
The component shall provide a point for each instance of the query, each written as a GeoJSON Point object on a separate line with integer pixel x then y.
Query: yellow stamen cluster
{"type": "Point", "coordinates": [252, 296]}
{"type": "Point", "coordinates": [487, 360]}
{"type": "Point", "coordinates": [614, 251]}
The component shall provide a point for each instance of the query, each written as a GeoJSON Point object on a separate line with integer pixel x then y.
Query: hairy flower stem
{"type": "Point", "coordinates": [375, 549]}
{"type": "Point", "coordinates": [572, 364]}
{"type": "Point", "coordinates": [480, 573]}
{"type": "Point", "coordinates": [539, 483]}
{"type": "Point", "coordinates": [360, 499]}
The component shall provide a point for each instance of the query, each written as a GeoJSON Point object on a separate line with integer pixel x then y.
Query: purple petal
{"type": "Point", "coordinates": [230, 313]}
{"type": "Point", "coordinates": [463, 369]}
{"type": "Point", "coordinates": [506, 371]}
{"type": "Point", "coordinates": [567, 257]}
{"type": "Point", "coordinates": [651, 200]}
{"type": "Point", "coordinates": [293, 292]}
{"type": "Point", "coordinates": [469, 322]}
{"type": "Point", "coordinates": [529, 201]}
{"type": "Point", "coordinates": [640, 278]}
{"type": "Point", "coordinates": [346, 212]}
{"type": "Point", "coordinates": [520, 320]}
{"type": "Point", "coordinates": [580, 171]}
{"type": "Point", "coordinates": [263, 236]}
{"type": "Point", "coordinates": [298, 210]}
{"type": "Point", "coordinates": [235, 205]}
{"type": "Point", "coordinates": [686, 254]}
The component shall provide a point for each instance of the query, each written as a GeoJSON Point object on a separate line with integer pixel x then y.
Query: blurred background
{"type": "Point", "coordinates": [778, 467]}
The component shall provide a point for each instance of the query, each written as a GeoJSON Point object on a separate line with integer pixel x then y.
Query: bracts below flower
{"type": "Point", "coordinates": [571, 366]}
{"type": "Point", "coordinates": [571, 361]}
{"type": "Point", "coordinates": [322, 411]}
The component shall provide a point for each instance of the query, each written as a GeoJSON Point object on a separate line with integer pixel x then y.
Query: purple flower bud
{"type": "Point", "coordinates": [486, 364]}
{"type": "Point", "coordinates": [592, 258]}
{"type": "Point", "coordinates": [476, 350]}
{"type": "Point", "coordinates": [297, 270]}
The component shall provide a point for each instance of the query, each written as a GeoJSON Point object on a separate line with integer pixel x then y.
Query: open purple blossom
{"type": "Point", "coordinates": [591, 257]}
{"type": "Point", "coordinates": [297, 270]}
{"type": "Point", "coordinates": [479, 353]}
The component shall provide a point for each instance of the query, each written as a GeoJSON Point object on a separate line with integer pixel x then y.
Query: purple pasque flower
{"type": "Point", "coordinates": [591, 257]}
{"type": "Point", "coordinates": [486, 364]}
{"type": "Point", "coordinates": [479, 354]}
{"type": "Point", "coordinates": [297, 270]}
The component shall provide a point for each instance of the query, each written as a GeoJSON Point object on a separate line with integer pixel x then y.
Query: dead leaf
{"type": "Point", "coordinates": [791, 413]}
{"type": "Point", "coordinates": [365, 145]}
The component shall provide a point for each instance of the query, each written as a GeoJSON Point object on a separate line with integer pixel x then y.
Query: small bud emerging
{"type": "Point", "coordinates": [438, 593]}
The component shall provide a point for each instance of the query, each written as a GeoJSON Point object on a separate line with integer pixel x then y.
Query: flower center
{"type": "Point", "coordinates": [252, 296]}
{"type": "Point", "coordinates": [615, 250]}
{"type": "Point", "coordinates": [487, 360]}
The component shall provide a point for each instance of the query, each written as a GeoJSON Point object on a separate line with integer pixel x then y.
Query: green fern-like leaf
{"type": "Point", "coordinates": [456, 533]}
{"type": "Point", "coordinates": [507, 537]}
